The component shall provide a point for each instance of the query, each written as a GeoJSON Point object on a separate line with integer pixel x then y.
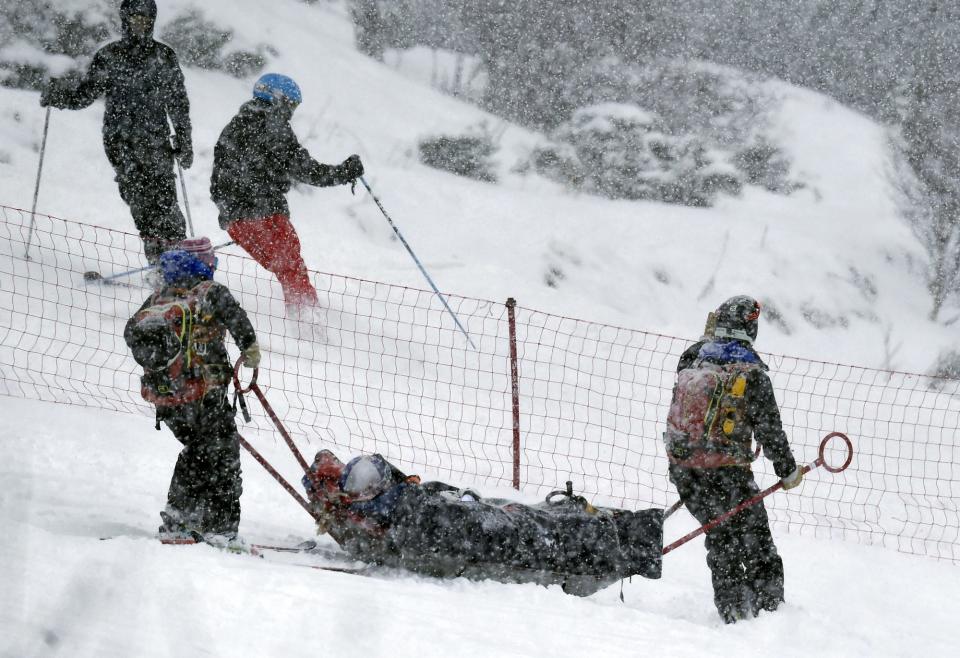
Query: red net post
{"type": "Point", "coordinates": [514, 389]}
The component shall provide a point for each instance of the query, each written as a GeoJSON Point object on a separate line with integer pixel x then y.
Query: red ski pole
{"type": "Point", "coordinates": [806, 468]}
{"type": "Point", "coordinates": [252, 387]}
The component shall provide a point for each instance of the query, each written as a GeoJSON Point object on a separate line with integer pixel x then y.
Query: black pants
{"type": "Point", "coordinates": [746, 569]}
{"type": "Point", "coordinates": [144, 173]}
{"type": "Point", "coordinates": [205, 489]}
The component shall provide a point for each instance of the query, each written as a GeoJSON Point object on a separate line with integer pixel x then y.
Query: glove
{"type": "Point", "coordinates": [350, 170]}
{"type": "Point", "coordinates": [251, 356]}
{"type": "Point", "coordinates": [183, 150]}
{"type": "Point", "coordinates": [794, 479]}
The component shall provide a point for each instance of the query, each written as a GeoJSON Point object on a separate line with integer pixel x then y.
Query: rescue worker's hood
{"type": "Point", "coordinates": [130, 8]}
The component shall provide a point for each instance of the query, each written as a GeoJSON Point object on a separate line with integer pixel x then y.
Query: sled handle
{"type": "Point", "coordinates": [252, 387]}
{"type": "Point", "coordinates": [821, 459]}
{"type": "Point", "coordinates": [236, 378]}
{"type": "Point", "coordinates": [806, 468]}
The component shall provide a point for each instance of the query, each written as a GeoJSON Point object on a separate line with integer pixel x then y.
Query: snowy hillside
{"type": "Point", "coordinates": [841, 269]}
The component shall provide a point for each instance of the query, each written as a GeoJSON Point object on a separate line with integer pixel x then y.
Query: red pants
{"type": "Point", "coordinates": [273, 242]}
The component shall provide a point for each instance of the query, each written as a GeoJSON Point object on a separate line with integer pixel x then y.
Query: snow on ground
{"type": "Point", "coordinates": [67, 481]}
{"type": "Point", "coordinates": [69, 476]}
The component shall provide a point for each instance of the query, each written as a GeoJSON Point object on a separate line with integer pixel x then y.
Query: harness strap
{"type": "Point", "coordinates": [713, 409]}
{"type": "Point", "coordinates": [238, 397]}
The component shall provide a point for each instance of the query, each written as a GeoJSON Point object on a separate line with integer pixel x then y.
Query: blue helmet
{"type": "Point", "coordinates": [276, 87]}
{"type": "Point", "coordinates": [179, 265]}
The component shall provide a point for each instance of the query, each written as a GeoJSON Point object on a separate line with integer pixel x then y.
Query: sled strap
{"type": "Point", "coordinates": [238, 397]}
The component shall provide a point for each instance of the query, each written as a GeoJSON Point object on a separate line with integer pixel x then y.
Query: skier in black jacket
{"type": "Point", "coordinates": [143, 85]}
{"type": "Point", "coordinates": [186, 378]}
{"type": "Point", "coordinates": [256, 159]}
{"type": "Point", "coordinates": [722, 400]}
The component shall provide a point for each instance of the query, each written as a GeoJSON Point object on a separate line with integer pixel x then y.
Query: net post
{"type": "Point", "coordinates": [514, 389]}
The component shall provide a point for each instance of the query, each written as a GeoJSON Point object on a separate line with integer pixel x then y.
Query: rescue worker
{"type": "Point", "coordinates": [177, 335]}
{"type": "Point", "coordinates": [724, 398]}
{"type": "Point", "coordinates": [143, 85]}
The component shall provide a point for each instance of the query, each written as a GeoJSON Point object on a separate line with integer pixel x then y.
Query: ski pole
{"type": "Point", "coordinates": [36, 189]}
{"type": "Point", "coordinates": [806, 468]}
{"type": "Point", "coordinates": [92, 276]}
{"type": "Point", "coordinates": [186, 203]}
{"type": "Point", "coordinates": [252, 387]}
{"type": "Point", "coordinates": [183, 184]}
{"type": "Point", "coordinates": [417, 261]}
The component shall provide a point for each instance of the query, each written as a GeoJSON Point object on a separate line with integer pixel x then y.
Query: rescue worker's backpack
{"type": "Point", "coordinates": [163, 339]}
{"type": "Point", "coordinates": [707, 409]}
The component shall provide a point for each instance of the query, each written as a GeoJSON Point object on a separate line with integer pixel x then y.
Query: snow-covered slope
{"type": "Point", "coordinates": [834, 252]}
{"type": "Point", "coordinates": [70, 476]}
{"type": "Point", "coordinates": [838, 264]}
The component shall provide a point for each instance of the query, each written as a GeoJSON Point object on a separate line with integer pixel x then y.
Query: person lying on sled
{"type": "Point", "coordinates": [378, 514]}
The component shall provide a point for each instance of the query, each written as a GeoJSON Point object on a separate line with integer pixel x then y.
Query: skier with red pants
{"type": "Point", "coordinates": [723, 397]}
{"type": "Point", "coordinates": [256, 159]}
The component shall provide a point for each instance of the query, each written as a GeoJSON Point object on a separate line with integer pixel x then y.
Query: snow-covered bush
{"type": "Point", "coordinates": [465, 155]}
{"type": "Point", "coordinates": [725, 108]}
{"type": "Point", "coordinates": [199, 42]}
{"type": "Point", "coordinates": [39, 38]}
{"type": "Point", "coordinates": [621, 151]}
{"type": "Point", "coordinates": [767, 166]}
{"type": "Point", "coordinates": [671, 130]}
{"type": "Point", "coordinates": [947, 365]}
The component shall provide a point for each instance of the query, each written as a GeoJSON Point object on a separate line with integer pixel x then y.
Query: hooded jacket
{"type": "Point", "coordinates": [142, 82]}
{"type": "Point", "coordinates": [255, 161]}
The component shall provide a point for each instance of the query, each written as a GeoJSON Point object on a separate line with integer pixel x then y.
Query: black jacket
{"type": "Point", "coordinates": [762, 420]}
{"type": "Point", "coordinates": [143, 85]}
{"type": "Point", "coordinates": [256, 160]}
{"type": "Point", "coordinates": [218, 312]}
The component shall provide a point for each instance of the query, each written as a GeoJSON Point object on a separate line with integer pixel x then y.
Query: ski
{"type": "Point", "coordinates": [192, 539]}
{"type": "Point", "coordinates": [353, 571]}
{"type": "Point", "coordinates": [312, 548]}
{"type": "Point", "coordinates": [178, 541]}
{"type": "Point", "coordinates": [92, 277]}
{"type": "Point", "coordinates": [306, 546]}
